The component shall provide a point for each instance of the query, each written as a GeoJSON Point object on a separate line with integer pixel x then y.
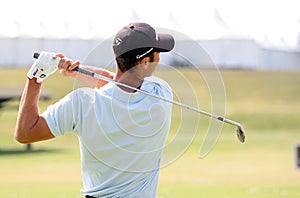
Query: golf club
{"type": "Point", "coordinates": [240, 130]}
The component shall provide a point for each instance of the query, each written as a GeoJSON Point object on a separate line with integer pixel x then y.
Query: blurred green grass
{"type": "Point", "coordinates": [266, 103]}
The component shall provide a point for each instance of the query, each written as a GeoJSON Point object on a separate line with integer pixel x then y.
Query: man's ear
{"type": "Point", "coordinates": [144, 62]}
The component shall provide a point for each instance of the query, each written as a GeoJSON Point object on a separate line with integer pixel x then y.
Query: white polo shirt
{"type": "Point", "coordinates": [121, 136]}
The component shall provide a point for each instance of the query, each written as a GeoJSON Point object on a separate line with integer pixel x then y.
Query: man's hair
{"type": "Point", "coordinates": [130, 59]}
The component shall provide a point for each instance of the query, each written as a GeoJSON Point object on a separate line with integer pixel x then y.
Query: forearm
{"type": "Point", "coordinates": [66, 67]}
{"type": "Point", "coordinates": [92, 81]}
{"type": "Point", "coordinates": [28, 115]}
{"type": "Point", "coordinates": [28, 109]}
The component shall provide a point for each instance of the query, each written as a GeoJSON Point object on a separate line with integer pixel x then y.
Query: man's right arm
{"type": "Point", "coordinates": [67, 66]}
{"type": "Point", "coordinates": [92, 81]}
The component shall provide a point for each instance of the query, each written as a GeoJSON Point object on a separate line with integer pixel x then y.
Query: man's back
{"type": "Point", "coordinates": [121, 138]}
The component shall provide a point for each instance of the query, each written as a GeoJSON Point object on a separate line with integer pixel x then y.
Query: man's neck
{"type": "Point", "coordinates": [128, 78]}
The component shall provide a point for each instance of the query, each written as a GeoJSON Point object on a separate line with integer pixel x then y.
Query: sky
{"type": "Point", "coordinates": [269, 22]}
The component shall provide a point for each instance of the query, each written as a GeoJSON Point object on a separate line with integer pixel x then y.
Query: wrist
{"type": "Point", "coordinates": [33, 81]}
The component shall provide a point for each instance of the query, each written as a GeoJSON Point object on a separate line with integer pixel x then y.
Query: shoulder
{"type": "Point", "coordinates": [82, 94]}
{"type": "Point", "coordinates": [77, 97]}
{"type": "Point", "coordinates": [157, 81]}
{"type": "Point", "coordinates": [160, 86]}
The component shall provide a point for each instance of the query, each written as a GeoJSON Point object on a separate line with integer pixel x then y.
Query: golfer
{"type": "Point", "coordinates": [121, 132]}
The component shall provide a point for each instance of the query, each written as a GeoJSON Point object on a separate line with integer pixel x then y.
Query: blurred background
{"type": "Point", "coordinates": [266, 31]}
{"type": "Point", "coordinates": [239, 57]}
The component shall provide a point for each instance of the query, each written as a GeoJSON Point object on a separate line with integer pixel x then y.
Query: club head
{"type": "Point", "coordinates": [241, 134]}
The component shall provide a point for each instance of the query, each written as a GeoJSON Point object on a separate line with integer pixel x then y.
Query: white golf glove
{"type": "Point", "coordinates": [43, 67]}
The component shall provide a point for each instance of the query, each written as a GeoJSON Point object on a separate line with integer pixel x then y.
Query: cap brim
{"type": "Point", "coordinates": [165, 43]}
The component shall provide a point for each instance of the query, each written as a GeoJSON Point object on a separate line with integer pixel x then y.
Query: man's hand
{"type": "Point", "coordinates": [66, 66]}
{"type": "Point", "coordinates": [43, 67]}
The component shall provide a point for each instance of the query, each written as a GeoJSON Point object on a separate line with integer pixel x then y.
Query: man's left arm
{"type": "Point", "coordinates": [30, 126]}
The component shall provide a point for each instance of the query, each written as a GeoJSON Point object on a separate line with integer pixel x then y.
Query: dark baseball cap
{"type": "Point", "coordinates": [141, 36]}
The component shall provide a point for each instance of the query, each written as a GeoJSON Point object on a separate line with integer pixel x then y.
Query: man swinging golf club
{"type": "Point", "coordinates": [121, 132]}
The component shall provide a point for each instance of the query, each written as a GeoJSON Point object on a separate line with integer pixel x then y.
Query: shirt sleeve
{"type": "Point", "coordinates": [61, 116]}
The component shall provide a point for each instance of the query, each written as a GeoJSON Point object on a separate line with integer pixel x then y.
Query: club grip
{"type": "Point", "coordinates": [36, 55]}
{"type": "Point", "coordinates": [83, 71]}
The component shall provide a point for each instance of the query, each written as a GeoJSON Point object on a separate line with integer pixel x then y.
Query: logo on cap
{"type": "Point", "coordinates": [118, 41]}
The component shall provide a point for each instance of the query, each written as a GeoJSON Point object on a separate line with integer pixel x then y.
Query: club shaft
{"type": "Point", "coordinates": [220, 118]}
{"type": "Point", "coordinates": [101, 77]}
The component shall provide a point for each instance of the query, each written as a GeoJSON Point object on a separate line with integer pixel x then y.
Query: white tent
{"type": "Point", "coordinates": [230, 41]}
{"type": "Point", "coordinates": [235, 53]}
